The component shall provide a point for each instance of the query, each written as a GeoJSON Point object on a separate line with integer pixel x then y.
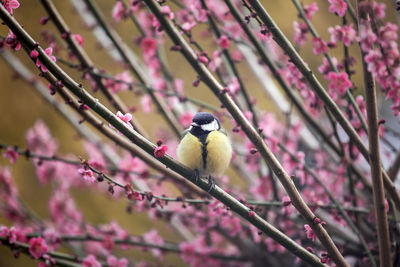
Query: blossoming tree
{"type": "Point", "coordinates": [312, 183]}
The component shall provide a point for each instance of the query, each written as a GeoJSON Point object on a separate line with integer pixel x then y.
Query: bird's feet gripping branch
{"type": "Point", "coordinates": [211, 181]}
{"type": "Point", "coordinates": [205, 148]}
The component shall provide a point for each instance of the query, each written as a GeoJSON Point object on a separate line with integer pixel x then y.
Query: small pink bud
{"type": "Point", "coordinates": [253, 151]}
{"type": "Point", "coordinates": [34, 54]}
{"type": "Point", "coordinates": [203, 59]}
{"type": "Point", "coordinates": [317, 221]}
{"type": "Point", "coordinates": [44, 20]}
{"type": "Point", "coordinates": [196, 82]}
{"type": "Point", "coordinates": [223, 42]}
{"type": "Point", "coordinates": [286, 201]}
{"type": "Point", "coordinates": [160, 151]}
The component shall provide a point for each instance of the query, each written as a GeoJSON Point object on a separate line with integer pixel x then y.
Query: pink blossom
{"type": "Point", "coordinates": [34, 54]}
{"type": "Point", "coordinates": [49, 52]}
{"type": "Point", "coordinates": [118, 11]}
{"type": "Point", "coordinates": [145, 102]}
{"type": "Point", "coordinates": [96, 158]}
{"type": "Point", "coordinates": [87, 175]}
{"type": "Point", "coordinates": [237, 56]}
{"type": "Point", "coordinates": [223, 42]}
{"type": "Point", "coordinates": [90, 260]}
{"type": "Point", "coordinates": [203, 59]}
{"type": "Point", "coordinates": [148, 46]}
{"type": "Point", "coordinates": [251, 213]}
{"type": "Point", "coordinates": [319, 46]}
{"type": "Point", "coordinates": [187, 26]}
{"type": "Point", "coordinates": [11, 155]}
{"type": "Point", "coordinates": [166, 10]}
{"type": "Point", "coordinates": [234, 86]}
{"type": "Point", "coordinates": [112, 261]}
{"type": "Point", "coordinates": [300, 33]}
{"type": "Point", "coordinates": [16, 235]}
{"type": "Point", "coordinates": [154, 238]}
{"type": "Point", "coordinates": [52, 238]}
{"type": "Point", "coordinates": [129, 164]}
{"type": "Point", "coordinates": [37, 247]}
{"type": "Point", "coordinates": [338, 6]}
{"type": "Point", "coordinates": [48, 171]}
{"type": "Point", "coordinates": [160, 151]}
{"type": "Point", "coordinates": [78, 38]}
{"type": "Point", "coordinates": [10, 5]}
{"type": "Point", "coordinates": [345, 34]}
{"type": "Point", "coordinates": [326, 67]}
{"type": "Point", "coordinates": [232, 224]}
{"type": "Point", "coordinates": [186, 119]}
{"type": "Point", "coordinates": [379, 10]}
{"type": "Point", "coordinates": [4, 231]}
{"type": "Point", "coordinates": [188, 251]}
{"type": "Point", "coordinates": [11, 41]}
{"type": "Point", "coordinates": [63, 209]}
{"type": "Point", "coordinates": [388, 34]}
{"type": "Point", "coordinates": [215, 61]}
{"type": "Point", "coordinates": [375, 62]}
{"type": "Point", "coordinates": [339, 82]}
{"type": "Point", "coordinates": [125, 118]}
{"type": "Point", "coordinates": [310, 10]}
{"type": "Point", "coordinates": [310, 232]}
{"type": "Point", "coordinates": [125, 79]}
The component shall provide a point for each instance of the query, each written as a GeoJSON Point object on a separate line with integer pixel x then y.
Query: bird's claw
{"type": "Point", "coordinates": [196, 176]}
{"type": "Point", "coordinates": [211, 182]}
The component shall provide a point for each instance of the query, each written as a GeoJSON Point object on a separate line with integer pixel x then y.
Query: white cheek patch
{"type": "Point", "coordinates": [210, 126]}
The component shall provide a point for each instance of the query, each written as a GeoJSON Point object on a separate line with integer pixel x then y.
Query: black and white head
{"type": "Point", "coordinates": [204, 123]}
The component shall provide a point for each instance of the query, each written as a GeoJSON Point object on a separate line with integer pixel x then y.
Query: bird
{"type": "Point", "coordinates": [205, 148]}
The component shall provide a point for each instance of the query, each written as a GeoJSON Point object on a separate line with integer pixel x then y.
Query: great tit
{"type": "Point", "coordinates": [205, 148]}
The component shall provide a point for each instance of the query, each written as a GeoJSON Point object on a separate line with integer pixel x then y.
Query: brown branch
{"type": "Point", "coordinates": [394, 169]}
{"type": "Point", "coordinates": [374, 153]}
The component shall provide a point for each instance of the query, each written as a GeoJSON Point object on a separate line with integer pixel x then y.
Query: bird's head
{"type": "Point", "coordinates": [203, 123]}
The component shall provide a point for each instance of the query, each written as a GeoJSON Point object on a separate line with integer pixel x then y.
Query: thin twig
{"type": "Point", "coordinates": [61, 259]}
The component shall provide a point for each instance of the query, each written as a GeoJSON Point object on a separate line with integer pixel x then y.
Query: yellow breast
{"type": "Point", "coordinates": [189, 152]}
{"type": "Point", "coordinates": [218, 156]}
{"type": "Point", "coordinates": [219, 153]}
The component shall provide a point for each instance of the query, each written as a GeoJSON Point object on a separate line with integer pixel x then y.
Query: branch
{"type": "Point", "coordinates": [374, 152]}
{"type": "Point", "coordinates": [394, 169]}
{"type": "Point", "coordinates": [61, 259]}
{"type": "Point", "coordinates": [168, 247]}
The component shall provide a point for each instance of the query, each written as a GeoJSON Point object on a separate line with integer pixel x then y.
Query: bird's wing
{"type": "Point", "coordinates": [184, 133]}
{"type": "Point", "coordinates": [223, 131]}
